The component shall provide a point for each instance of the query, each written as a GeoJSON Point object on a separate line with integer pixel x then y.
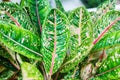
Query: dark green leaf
{"type": "Point", "coordinates": [5, 62]}
{"type": "Point", "coordinates": [81, 38]}
{"type": "Point", "coordinates": [6, 74]}
{"type": "Point", "coordinates": [55, 36]}
{"type": "Point", "coordinates": [30, 72]}
{"type": "Point", "coordinates": [4, 52]}
{"type": "Point", "coordinates": [20, 40]}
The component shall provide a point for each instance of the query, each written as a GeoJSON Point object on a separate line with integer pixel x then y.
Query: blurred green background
{"type": "Point", "coordinates": [92, 3]}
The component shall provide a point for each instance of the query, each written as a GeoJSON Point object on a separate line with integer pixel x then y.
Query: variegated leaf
{"type": "Point", "coordinates": [13, 13]}
{"type": "Point", "coordinates": [37, 10]}
{"type": "Point", "coordinates": [55, 36]}
{"type": "Point", "coordinates": [110, 69]}
{"type": "Point", "coordinates": [103, 8]}
{"type": "Point", "coordinates": [81, 38]}
{"type": "Point", "coordinates": [108, 41]}
{"type": "Point", "coordinates": [106, 20]}
{"type": "Point", "coordinates": [20, 40]}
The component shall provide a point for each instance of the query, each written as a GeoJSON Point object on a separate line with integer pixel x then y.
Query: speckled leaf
{"type": "Point", "coordinates": [102, 9]}
{"type": "Point", "coordinates": [17, 13]}
{"type": "Point", "coordinates": [37, 9]}
{"type": "Point", "coordinates": [108, 41]}
{"type": "Point", "coordinates": [55, 36]}
{"type": "Point", "coordinates": [105, 7]}
{"type": "Point", "coordinates": [30, 72]}
{"type": "Point", "coordinates": [81, 38]}
{"type": "Point", "coordinates": [20, 40]}
{"type": "Point", "coordinates": [105, 21]}
{"type": "Point", "coordinates": [110, 69]}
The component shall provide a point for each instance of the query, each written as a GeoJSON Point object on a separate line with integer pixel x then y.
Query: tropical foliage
{"type": "Point", "coordinates": [38, 42]}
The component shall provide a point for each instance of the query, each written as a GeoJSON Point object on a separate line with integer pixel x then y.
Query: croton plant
{"type": "Point", "coordinates": [39, 42]}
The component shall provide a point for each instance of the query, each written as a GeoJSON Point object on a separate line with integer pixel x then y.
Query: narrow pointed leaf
{"type": "Point", "coordinates": [37, 9]}
{"type": "Point", "coordinates": [110, 69]}
{"type": "Point", "coordinates": [8, 9]}
{"type": "Point", "coordinates": [108, 41]}
{"type": "Point", "coordinates": [81, 38]}
{"type": "Point", "coordinates": [106, 20]}
{"type": "Point", "coordinates": [55, 36]}
{"type": "Point", "coordinates": [30, 72]}
{"type": "Point", "coordinates": [20, 40]}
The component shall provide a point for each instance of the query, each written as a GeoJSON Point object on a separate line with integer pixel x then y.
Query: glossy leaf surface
{"type": "Point", "coordinates": [81, 38]}
{"type": "Point", "coordinates": [55, 36]}
{"type": "Point", "coordinates": [20, 40]}
{"type": "Point", "coordinates": [30, 72]}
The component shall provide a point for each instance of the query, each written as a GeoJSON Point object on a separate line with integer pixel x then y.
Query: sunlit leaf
{"type": "Point", "coordinates": [30, 72]}
{"type": "Point", "coordinates": [20, 40]}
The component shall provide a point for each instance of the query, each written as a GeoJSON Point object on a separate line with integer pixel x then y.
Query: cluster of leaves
{"type": "Point", "coordinates": [38, 42]}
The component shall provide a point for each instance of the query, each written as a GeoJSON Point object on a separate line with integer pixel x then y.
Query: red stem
{"type": "Point", "coordinates": [105, 30]}
{"type": "Point", "coordinates": [13, 19]}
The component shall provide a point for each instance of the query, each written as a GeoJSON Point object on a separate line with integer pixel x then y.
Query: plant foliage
{"type": "Point", "coordinates": [41, 43]}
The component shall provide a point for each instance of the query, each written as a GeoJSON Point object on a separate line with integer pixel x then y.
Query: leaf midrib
{"type": "Point", "coordinates": [55, 40]}
{"type": "Point", "coordinates": [20, 44]}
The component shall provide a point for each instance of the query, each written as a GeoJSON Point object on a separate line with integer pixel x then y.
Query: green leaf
{"type": "Point", "coordinates": [17, 13]}
{"type": "Point", "coordinates": [37, 9]}
{"type": "Point", "coordinates": [81, 38]}
{"type": "Point", "coordinates": [105, 7]}
{"type": "Point", "coordinates": [59, 5]}
{"type": "Point", "coordinates": [30, 72]}
{"type": "Point", "coordinates": [110, 69]}
{"type": "Point", "coordinates": [6, 74]}
{"type": "Point", "coordinates": [7, 63]}
{"type": "Point", "coordinates": [106, 20]}
{"type": "Point", "coordinates": [55, 36]}
{"type": "Point", "coordinates": [20, 40]}
{"type": "Point", "coordinates": [4, 52]}
{"type": "Point", "coordinates": [108, 41]}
